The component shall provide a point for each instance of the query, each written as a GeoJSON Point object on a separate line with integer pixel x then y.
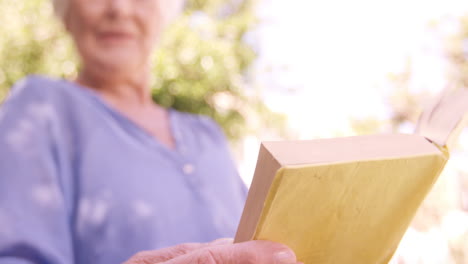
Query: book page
{"type": "Point", "coordinates": [444, 120]}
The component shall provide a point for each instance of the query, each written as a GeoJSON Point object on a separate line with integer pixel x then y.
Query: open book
{"type": "Point", "coordinates": [349, 200]}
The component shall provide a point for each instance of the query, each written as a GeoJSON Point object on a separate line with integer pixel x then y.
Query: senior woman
{"type": "Point", "coordinates": [93, 171]}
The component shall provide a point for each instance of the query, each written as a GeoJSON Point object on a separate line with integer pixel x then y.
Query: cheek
{"type": "Point", "coordinates": [151, 38]}
{"type": "Point", "coordinates": [84, 39]}
{"type": "Point", "coordinates": [151, 23]}
{"type": "Point", "coordinates": [80, 26]}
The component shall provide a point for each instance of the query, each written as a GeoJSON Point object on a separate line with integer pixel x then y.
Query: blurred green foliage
{"type": "Point", "coordinates": [199, 66]}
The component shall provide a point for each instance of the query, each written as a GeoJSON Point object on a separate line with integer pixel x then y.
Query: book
{"type": "Point", "coordinates": [349, 200]}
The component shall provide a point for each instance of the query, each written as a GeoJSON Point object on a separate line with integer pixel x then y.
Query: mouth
{"type": "Point", "coordinates": [114, 37]}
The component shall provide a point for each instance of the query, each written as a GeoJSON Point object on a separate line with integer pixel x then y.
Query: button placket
{"type": "Point", "coordinates": [189, 171]}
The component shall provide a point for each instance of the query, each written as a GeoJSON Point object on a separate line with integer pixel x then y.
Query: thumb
{"type": "Point", "coordinates": [258, 252]}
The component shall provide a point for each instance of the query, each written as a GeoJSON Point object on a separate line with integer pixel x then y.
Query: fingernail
{"type": "Point", "coordinates": [222, 241]}
{"type": "Point", "coordinates": [285, 257]}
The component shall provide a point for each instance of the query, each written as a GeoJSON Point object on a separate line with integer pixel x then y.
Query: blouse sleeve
{"type": "Point", "coordinates": [34, 223]}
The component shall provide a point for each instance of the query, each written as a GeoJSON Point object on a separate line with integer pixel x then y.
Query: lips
{"type": "Point", "coordinates": [114, 37]}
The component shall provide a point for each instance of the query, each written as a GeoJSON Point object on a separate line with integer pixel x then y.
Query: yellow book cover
{"type": "Point", "coordinates": [349, 200]}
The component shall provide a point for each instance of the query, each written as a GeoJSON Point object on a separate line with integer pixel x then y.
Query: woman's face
{"type": "Point", "coordinates": [115, 36]}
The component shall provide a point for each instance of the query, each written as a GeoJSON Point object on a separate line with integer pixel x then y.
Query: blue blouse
{"type": "Point", "coordinates": [81, 183]}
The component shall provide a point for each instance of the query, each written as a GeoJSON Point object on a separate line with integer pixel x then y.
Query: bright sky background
{"type": "Point", "coordinates": [336, 56]}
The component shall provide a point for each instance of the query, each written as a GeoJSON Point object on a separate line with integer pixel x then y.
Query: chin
{"type": "Point", "coordinates": [119, 63]}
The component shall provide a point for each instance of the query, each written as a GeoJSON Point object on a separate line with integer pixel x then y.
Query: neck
{"type": "Point", "coordinates": [129, 90]}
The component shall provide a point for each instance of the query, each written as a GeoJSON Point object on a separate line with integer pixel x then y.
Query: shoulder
{"type": "Point", "coordinates": [47, 112]}
{"type": "Point", "coordinates": [58, 94]}
{"type": "Point", "coordinates": [32, 96]}
{"type": "Point", "coordinates": [26, 115]}
{"type": "Point", "coordinates": [35, 100]}
{"type": "Point", "coordinates": [34, 88]}
{"type": "Point", "coordinates": [24, 94]}
{"type": "Point", "coordinates": [34, 83]}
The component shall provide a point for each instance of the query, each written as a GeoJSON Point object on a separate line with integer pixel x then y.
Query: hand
{"type": "Point", "coordinates": [219, 252]}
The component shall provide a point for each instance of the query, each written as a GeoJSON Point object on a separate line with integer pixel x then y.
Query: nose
{"type": "Point", "coordinates": [119, 8]}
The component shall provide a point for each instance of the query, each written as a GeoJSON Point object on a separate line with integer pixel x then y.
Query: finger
{"type": "Point", "coordinates": [161, 255]}
{"type": "Point", "coordinates": [252, 252]}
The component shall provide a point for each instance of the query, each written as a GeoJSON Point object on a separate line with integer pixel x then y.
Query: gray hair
{"type": "Point", "coordinates": [60, 8]}
{"type": "Point", "coordinates": [174, 6]}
